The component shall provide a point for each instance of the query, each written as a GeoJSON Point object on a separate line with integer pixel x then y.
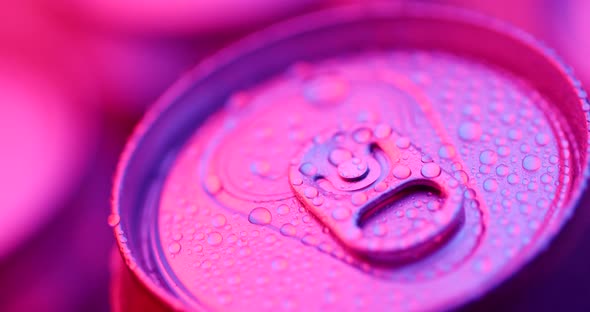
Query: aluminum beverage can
{"type": "Point", "coordinates": [392, 156]}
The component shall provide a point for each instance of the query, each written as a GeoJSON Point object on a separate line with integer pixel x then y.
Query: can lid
{"type": "Point", "coordinates": [157, 168]}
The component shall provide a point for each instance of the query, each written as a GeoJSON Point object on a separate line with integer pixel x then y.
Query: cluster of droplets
{"type": "Point", "coordinates": [243, 248]}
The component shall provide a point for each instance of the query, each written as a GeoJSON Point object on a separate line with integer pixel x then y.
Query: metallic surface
{"type": "Point", "coordinates": [206, 212]}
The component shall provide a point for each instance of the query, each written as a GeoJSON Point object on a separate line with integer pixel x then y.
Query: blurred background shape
{"type": "Point", "coordinates": [75, 77]}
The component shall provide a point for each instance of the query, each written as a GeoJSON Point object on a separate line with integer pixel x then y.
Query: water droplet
{"type": "Point", "coordinates": [490, 185]}
{"type": "Point", "coordinates": [341, 213]}
{"type": "Point", "coordinates": [522, 196]}
{"type": "Point", "coordinates": [318, 201]}
{"type": "Point", "coordinates": [531, 163]}
{"type": "Point", "coordinates": [532, 186]}
{"type": "Point", "coordinates": [430, 170]}
{"type": "Point", "coordinates": [260, 216]}
{"type": "Point", "coordinates": [218, 220]}
{"type": "Point", "coordinates": [502, 170]}
{"type": "Point", "coordinates": [542, 139]}
{"type": "Point", "coordinates": [260, 168]}
{"type": "Point", "coordinates": [401, 172]}
{"type": "Point", "coordinates": [353, 169]}
{"type": "Point", "coordinates": [461, 176]}
{"type": "Point", "coordinates": [310, 192]}
{"type": "Point", "coordinates": [113, 219]}
{"type": "Point", "coordinates": [381, 186]}
{"type": "Point", "coordinates": [282, 210]}
{"type": "Point", "coordinates": [447, 151]}
{"type": "Point", "coordinates": [288, 229]}
{"type": "Point", "coordinates": [433, 205]}
{"type": "Point", "coordinates": [469, 193]}
{"type": "Point", "coordinates": [310, 240]}
{"type": "Point", "coordinates": [362, 135]}
{"type": "Point", "coordinates": [358, 199]}
{"type": "Point", "coordinates": [470, 131]}
{"type": "Point", "coordinates": [379, 230]}
{"type": "Point", "coordinates": [411, 213]}
{"type": "Point", "coordinates": [308, 169]}
{"type": "Point", "coordinates": [426, 159]}
{"type": "Point", "coordinates": [503, 151]}
{"type": "Point", "coordinates": [402, 142]}
{"type": "Point", "coordinates": [513, 178]}
{"type": "Point", "coordinates": [213, 184]}
{"type": "Point", "coordinates": [174, 248]}
{"type": "Point", "coordinates": [339, 155]}
{"type": "Point", "coordinates": [485, 169]}
{"type": "Point", "coordinates": [488, 157]}
{"type": "Point", "coordinates": [296, 180]}
{"type": "Point", "coordinates": [515, 134]}
{"type": "Point", "coordinates": [326, 89]}
{"type": "Point", "coordinates": [382, 131]}
{"type": "Point", "coordinates": [545, 178]}
{"type": "Point", "coordinates": [214, 238]}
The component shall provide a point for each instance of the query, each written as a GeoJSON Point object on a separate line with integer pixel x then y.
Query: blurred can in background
{"type": "Point", "coordinates": [46, 108]}
{"type": "Point", "coordinates": [368, 157]}
{"type": "Point", "coordinates": [137, 49]}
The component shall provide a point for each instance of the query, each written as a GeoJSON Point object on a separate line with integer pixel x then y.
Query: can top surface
{"type": "Point", "coordinates": [410, 155]}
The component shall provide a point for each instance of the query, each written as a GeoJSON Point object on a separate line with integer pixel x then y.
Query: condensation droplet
{"type": "Point", "coordinates": [488, 157]}
{"type": "Point", "coordinates": [260, 168]}
{"type": "Point", "coordinates": [353, 169]}
{"type": "Point", "coordinates": [470, 131]}
{"type": "Point", "coordinates": [382, 131]}
{"type": "Point", "coordinates": [218, 220]}
{"type": "Point", "coordinates": [502, 170]}
{"type": "Point", "coordinates": [260, 216]}
{"type": "Point", "coordinates": [531, 163]}
{"type": "Point", "coordinates": [308, 169]}
{"type": "Point", "coordinates": [325, 89]}
{"type": "Point", "coordinates": [358, 199]}
{"type": "Point", "coordinates": [490, 185]}
{"type": "Point", "coordinates": [402, 142]}
{"type": "Point", "coordinates": [341, 213]}
{"type": "Point", "coordinates": [310, 192]}
{"type": "Point", "coordinates": [214, 238]}
{"type": "Point", "coordinates": [339, 155]}
{"type": "Point", "coordinates": [174, 248]}
{"type": "Point", "coordinates": [401, 172]}
{"type": "Point", "coordinates": [288, 229]}
{"type": "Point", "coordinates": [542, 139]}
{"type": "Point", "coordinates": [362, 135]}
{"type": "Point", "coordinates": [430, 170]}
{"type": "Point", "coordinates": [213, 184]}
{"type": "Point", "coordinates": [282, 210]}
{"type": "Point", "coordinates": [379, 230]}
{"type": "Point", "coordinates": [113, 219]}
{"type": "Point", "coordinates": [515, 134]}
{"type": "Point", "coordinates": [381, 186]}
{"type": "Point", "coordinates": [513, 178]}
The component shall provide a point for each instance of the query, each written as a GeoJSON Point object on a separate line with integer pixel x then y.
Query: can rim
{"type": "Point", "coordinates": [313, 21]}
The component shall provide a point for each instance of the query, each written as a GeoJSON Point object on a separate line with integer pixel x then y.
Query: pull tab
{"type": "Point", "coordinates": [347, 176]}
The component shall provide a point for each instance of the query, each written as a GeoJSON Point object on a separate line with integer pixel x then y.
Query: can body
{"type": "Point", "coordinates": [370, 157]}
